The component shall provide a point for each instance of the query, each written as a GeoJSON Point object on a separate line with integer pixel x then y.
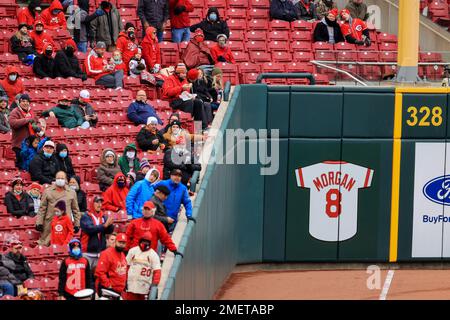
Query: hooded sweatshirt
{"type": "Point", "coordinates": [150, 49]}
{"type": "Point", "coordinates": [28, 14]}
{"type": "Point", "coordinates": [179, 13]}
{"type": "Point", "coordinates": [225, 52]}
{"type": "Point", "coordinates": [62, 230]}
{"type": "Point", "coordinates": [115, 197]}
{"type": "Point", "coordinates": [65, 164]}
{"type": "Point", "coordinates": [127, 165]}
{"type": "Point", "coordinates": [54, 21]}
{"type": "Point", "coordinates": [12, 88]}
{"type": "Point", "coordinates": [41, 40]}
{"type": "Point", "coordinates": [212, 29]}
{"type": "Point", "coordinates": [127, 46]}
{"type": "Point", "coordinates": [111, 270]}
{"type": "Point", "coordinates": [44, 65]}
{"type": "Point", "coordinates": [106, 172]}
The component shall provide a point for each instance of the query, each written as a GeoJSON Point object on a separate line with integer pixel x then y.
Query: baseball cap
{"type": "Point", "coordinates": [344, 11]}
{"type": "Point", "coordinates": [98, 198]}
{"type": "Point", "coordinates": [192, 74]}
{"type": "Point", "coordinates": [49, 143]}
{"type": "Point", "coordinates": [149, 204]}
{"type": "Point", "coordinates": [100, 45]}
{"type": "Point", "coordinates": [121, 237]}
{"type": "Point", "coordinates": [152, 120]}
{"type": "Point", "coordinates": [85, 95]}
{"type": "Point", "coordinates": [163, 189]}
{"type": "Point", "coordinates": [176, 172]}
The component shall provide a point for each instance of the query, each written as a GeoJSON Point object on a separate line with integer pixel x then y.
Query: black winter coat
{"type": "Point", "coordinates": [187, 169]}
{"type": "Point", "coordinates": [204, 90]}
{"type": "Point", "coordinates": [161, 211]}
{"type": "Point", "coordinates": [155, 12]}
{"type": "Point", "coordinates": [212, 29]}
{"type": "Point", "coordinates": [144, 140]}
{"type": "Point", "coordinates": [21, 51]}
{"type": "Point", "coordinates": [84, 110]}
{"type": "Point", "coordinates": [42, 169]}
{"type": "Point", "coordinates": [44, 67]}
{"type": "Point", "coordinates": [17, 265]}
{"type": "Point", "coordinates": [321, 33]}
{"type": "Point", "coordinates": [283, 10]}
{"type": "Point", "coordinates": [66, 66]}
{"type": "Point", "coordinates": [64, 164]}
{"type": "Point", "coordinates": [19, 208]}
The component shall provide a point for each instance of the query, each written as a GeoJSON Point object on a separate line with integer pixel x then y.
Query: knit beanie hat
{"type": "Point", "coordinates": [144, 163]}
{"type": "Point", "coordinates": [216, 71]}
{"type": "Point", "coordinates": [61, 205]}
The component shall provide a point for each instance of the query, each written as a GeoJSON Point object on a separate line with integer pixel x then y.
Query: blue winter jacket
{"type": "Point", "coordinates": [138, 112]}
{"type": "Point", "coordinates": [178, 195]}
{"type": "Point", "coordinates": [27, 153]}
{"type": "Point", "coordinates": [141, 192]}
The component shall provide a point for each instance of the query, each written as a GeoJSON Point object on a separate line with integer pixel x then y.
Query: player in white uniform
{"type": "Point", "coordinates": [333, 204]}
{"type": "Point", "coordinates": [144, 269]}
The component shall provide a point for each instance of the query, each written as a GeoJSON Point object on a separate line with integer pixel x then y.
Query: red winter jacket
{"type": "Point", "coordinates": [62, 230]}
{"type": "Point", "coordinates": [355, 29]}
{"type": "Point", "coordinates": [24, 16]}
{"type": "Point", "coordinates": [138, 227]}
{"type": "Point", "coordinates": [114, 197]}
{"type": "Point", "coordinates": [111, 271]}
{"type": "Point", "coordinates": [172, 87]}
{"type": "Point", "coordinates": [52, 21]}
{"type": "Point", "coordinates": [41, 40]}
{"type": "Point", "coordinates": [128, 47]}
{"type": "Point", "coordinates": [182, 20]}
{"type": "Point", "coordinates": [94, 65]}
{"type": "Point", "coordinates": [217, 51]}
{"type": "Point", "coordinates": [150, 49]}
{"type": "Point", "coordinates": [12, 88]}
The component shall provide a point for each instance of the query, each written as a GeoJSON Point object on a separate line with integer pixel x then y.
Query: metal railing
{"type": "Point", "coordinates": [309, 76]}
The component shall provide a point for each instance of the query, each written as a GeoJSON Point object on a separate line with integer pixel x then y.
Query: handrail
{"type": "Point", "coordinates": [309, 76]}
{"type": "Point", "coordinates": [341, 71]}
{"type": "Point", "coordinates": [373, 63]}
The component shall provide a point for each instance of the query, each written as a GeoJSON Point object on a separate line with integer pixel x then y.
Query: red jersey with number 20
{"type": "Point", "coordinates": [333, 202]}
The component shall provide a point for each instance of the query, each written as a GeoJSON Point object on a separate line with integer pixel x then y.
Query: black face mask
{"type": "Point", "coordinates": [131, 35]}
{"type": "Point", "coordinates": [38, 31]}
{"type": "Point", "coordinates": [120, 249]}
{"type": "Point", "coordinates": [69, 51]}
{"type": "Point", "coordinates": [48, 52]}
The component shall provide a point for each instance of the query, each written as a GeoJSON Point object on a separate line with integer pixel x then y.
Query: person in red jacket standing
{"type": "Point", "coordinates": [27, 15]}
{"type": "Point", "coordinates": [138, 227]}
{"type": "Point", "coordinates": [354, 30]}
{"type": "Point", "coordinates": [111, 272]}
{"type": "Point", "coordinates": [40, 38]}
{"type": "Point", "coordinates": [179, 19]}
{"type": "Point", "coordinates": [97, 67]}
{"type": "Point", "coordinates": [221, 52]}
{"type": "Point", "coordinates": [74, 274]}
{"type": "Point", "coordinates": [11, 83]}
{"type": "Point", "coordinates": [177, 84]}
{"type": "Point", "coordinates": [150, 50]}
{"type": "Point", "coordinates": [126, 43]}
{"type": "Point", "coordinates": [62, 226]}
{"type": "Point", "coordinates": [53, 17]}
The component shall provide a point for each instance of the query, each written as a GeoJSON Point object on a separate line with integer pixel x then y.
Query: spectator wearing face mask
{"type": "Point", "coordinates": [328, 29]}
{"type": "Point", "coordinates": [212, 25]}
{"type": "Point", "coordinates": [11, 84]}
{"type": "Point", "coordinates": [41, 38]}
{"type": "Point", "coordinates": [144, 167]}
{"type": "Point", "coordinates": [19, 203]}
{"type": "Point", "coordinates": [117, 61]}
{"type": "Point", "coordinates": [85, 109]}
{"type": "Point", "coordinates": [66, 62]}
{"type": "Point", "coordinates": [106, 28]}
{"type": "Point", "coordinates": [129, 161]}
{"type": "Point", "coordinates": [151, 51]}
{"type": "Point", "coordinates": [21, 43]}
{"type": "Point", "coordinates": [54, 193]}
{"type": "Point", "coordinates": [115, 196]}
{"type": "Point", "coordinates": [323, 6]}
{"type": "Point", "coordinates": [283, 10]}
{"type": "Point", "coordinates": [4, 113]}
{"type": "Point", "coordinates": [149, 138]}
{"type": "Point", "coordinates": [44, 64]}
{"type": "Point", "coordinates": [35, 191]}
{"type": "Point", "coordinates": [75, 272]}
{"type": "Point", "coordinates": [30, 147]}
{"type": "Point", "coordinates": [75, 185]}
{"type": "Point", "coordinates": [126, 43]}
{"type": "Point", "coordinates": [65, 113]}
{"type": "Point", "coordinates": [197, 53]}
{"type": "Point", "coordinates": [221, 52]}
{"type": "Point", "coordinates": [63, 159]}
{"type": "Point", "coordinates": [44, 165]}
{"type": "Point", "coordinates": [103, 72]}
{"type": "Point", "coordinates": [28, 15]}
{"type": "Point", "coordinates": [179, 19]}
{"type": "Point", "coordinates": [177, 85]}
{"type": "Point", "coordinates": [139, 111]}
{"type": "Point", "coordinates": [108, 168]}
{"type": "Point", "coordinates": [53, 17]}
{"type": "Point", "coordinates": [62, 227]}
{"type": "Point", "coordinates": [141, 192]}
{"type": "Point", "coordinates": [139, 257]}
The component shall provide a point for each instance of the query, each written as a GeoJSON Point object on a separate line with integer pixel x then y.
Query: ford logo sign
{"type": "Point", "coordinates": [438, 190]}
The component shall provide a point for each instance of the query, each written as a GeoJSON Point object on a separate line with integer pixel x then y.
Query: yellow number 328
{"type": "Point", "coordinates": [424, 114]}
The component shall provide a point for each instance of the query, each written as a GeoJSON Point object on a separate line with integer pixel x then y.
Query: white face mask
{"type": "Point", "coordinates": [176, 131]}
{"type": "Point", "coordinates": [13, 77]}
{"type": "Point", "coordinates": [60, 182]}
{"type": "Point", "coordinates": [74, 188]}
{"type": "Point", "coordinates": [130, 154]}
{"type": "Point", "coordinates": [58, 213]}
{"type": "Point", "coordinates": [40, 133]}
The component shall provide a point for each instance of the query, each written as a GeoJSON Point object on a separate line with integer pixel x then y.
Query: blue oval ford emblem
{"type": "Point", "coordinates": [438, 190]}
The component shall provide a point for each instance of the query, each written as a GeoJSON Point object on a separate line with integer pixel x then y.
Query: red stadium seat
{"type": "Point", "coordinates": [237, 35]}
{"type": "Point", "coordinates": [388, 56]}
{"type": "Point", "coordinates": [258, 24]}
{"type": "Point", "coordinates": [322, 46]}
{"type": "Point", "coordinates": [274, 68]}
{"type": "Point", "coordinates": [260, 56]}
{"type": "Point", "coordinates": [386, 37]}
{"type": "Point", "coordinates": [281, 56]}
{"type": "Point", "coordinates": [344, 46]}
{"type": "Point", "coordinates": [240, 56]}
{"type": "Point", "coordinates": [300, 46]}
{"type": "Point", "coordinates": [299, 67]}
{"type": "Point", "coordinates": [198, 3]}
{"type": "Point", "coordinates": [256, 13]}
{"type": "Point", "coordinates": [370, 72]}
{"type": "Point", "coordinates": [249, 68]}
{"type": "Point", "coordinates": [301, 36]}
{"type": "Point", "coordinates": [255, 46]}
{"type": "Point", "coordinates": [279, 25]}
{"type": "Point", "coordinates": [321, 79]}
{"type": "Point", "coordinates": [169, 53]}
{"type": "Point", "coordinates": [300, 56]}
{"type": "Point", "coordinates": [236, 13]}
{"type": "Point", "coordinates": [325, 55]}
{"type": "Point", "coordinates": [243, 4]}
{"type": "Point", "coordinates": [368, 56]}
{"type": "Point", "coordinates": [430, 57]}
{"type": "Point", "coordinates": [278, 46]}
{"type": "Point", "coordinates": [256, 35]}
{"type": "Point", "coordinates": [265, 4]}
{"type": "Point", "coordinates": [301, 25]}
{"type": "Point", "coordinates": [346, 56]}
{"type": "Point", "coordinates": [230, 72]}
{"type": "Point", "coordinates": [236, 46]}
{"type": "Point", "coordinates": [217, 3]}
{"type": "Point", "coordinates": [237, 24]}
{"type": "Point", "coordinates": [278, 36]}
{"type": "Point", "coordinates": [388, 46]}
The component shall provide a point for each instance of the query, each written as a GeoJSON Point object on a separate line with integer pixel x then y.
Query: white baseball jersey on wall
{"type": "Point", "coordinates": [333, 203]}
